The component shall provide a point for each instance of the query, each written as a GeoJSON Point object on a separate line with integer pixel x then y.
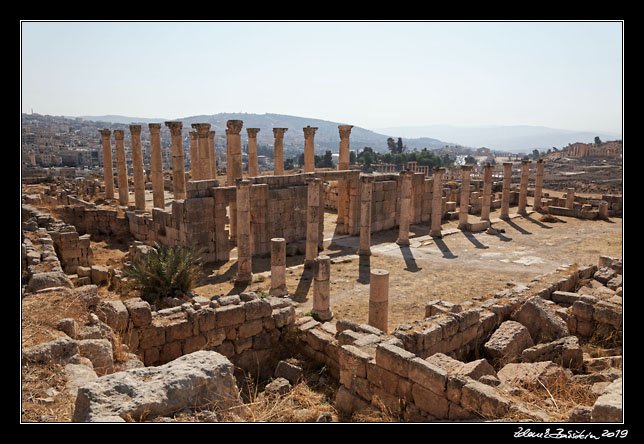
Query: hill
{"type": "Point", "coordinates": [516, 139]}
{"type": "Point", "coordinates": [326, 137]}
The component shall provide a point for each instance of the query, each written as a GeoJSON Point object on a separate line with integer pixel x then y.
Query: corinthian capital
{"type": "Point", "coordinates": [202, 129]}
{"type": "Point", "coordinates": [135, 130]}
{"type": "Point", "coordinates": [105, 133]}
{"type": "Point", "coordinates": [119, 134]}
{"type": "Point", "coordinates": [252, 132]}
{"type": "Point", "coordinates": [155, 128]}
{"type": "Point", "coordinates": [234, 126]}
{"type": "Point", "coordinates": [278, 133]}
{"type": "Point", "coordinates": [345, 131]}
{"type": "Point", "coordinates": [175, 127]}
{"type": "Point", "coordinates": [309, 131]}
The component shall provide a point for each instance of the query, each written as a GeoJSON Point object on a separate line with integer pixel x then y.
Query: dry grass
{"type": "Point", "coordinates": [44, 398]}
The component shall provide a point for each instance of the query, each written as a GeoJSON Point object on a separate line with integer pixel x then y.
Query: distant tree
{"type": "Point", "coordinates": [391, 145]}
{"type": "Point", "coordinates": [400, 147]}
{"type": "Point", "coordinates": [325, 161]}
{"type": "Point", "coordinates": [598, 141]}
{"type": "Point", "coordinates": [535, 154]}
{"type": "Point", "coordinates": [352, 157]}
{"type": "Point", "coordinates": [367, 157]}
{"type": "Point", "coordinates": [300, 160]}
{"type": "Point", "coordinates": [289, 164]}
{"type": "Point", "coordinates": [470, 160]}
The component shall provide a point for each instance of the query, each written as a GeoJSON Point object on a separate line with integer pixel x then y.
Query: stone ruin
{"type": "Point", "coordinates": [461, 362]}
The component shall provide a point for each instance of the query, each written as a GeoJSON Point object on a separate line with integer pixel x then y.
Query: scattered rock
{"type": "Point", "coordinates": [507, 342]}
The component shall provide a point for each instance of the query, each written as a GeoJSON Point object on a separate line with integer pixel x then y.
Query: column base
{"type": "Point", "coordinates": [403, 242]}
{"type": "Point", "coordinates": [437, 233]}
{"type": "Point", "coordinates": [364, 252]}
{"type": "Point", "coordinates": [243, 278]}
{"type": "Point", "coordinates": [279, 291]}
{"type": "Point", "coordinates": [322, 315]}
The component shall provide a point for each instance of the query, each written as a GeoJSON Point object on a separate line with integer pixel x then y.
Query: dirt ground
{"type": "Point", "coordinates": [455, 268]}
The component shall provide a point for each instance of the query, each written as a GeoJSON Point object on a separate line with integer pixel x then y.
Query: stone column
{"type": "Point", "coordinates": [233, 140]}
{"type": "Point", "coordinates": [108, 168]}
{"type": "Point", "coordinates": [487, 192]}
{"type": "Point", "coordinates": [538, 186]}
{"type": "Point", "coordinates": [213, 154]}
{"type": "Point", "coordinates": [570, 198]}
{"type": "Point", "coordinates": [233, 143]}
{"type": "Point", "coordinates": [464, 207]}
{"type": "Point", "coordinates": [405, 206]}
{"type": "Point", "coordinates": [178, 169]}
{"type": "Point", "coordinates": [278, 267]}
{"type": "Point", "coordinates": [278, 151]}
{"type": "Point", "coordinates": [121, 168]}
{"type": "Point", "coordinates": [312, 220]}
{"type": "Point", "coordinates": [523, 187]}
{"type": "Point", "coordinates": [366, 193]}
{"type": "Point", "coordinates": [156, 161]}
{"type": "Point", "coordinates": [379, 299]}
{"type": "Point", "coordinates": [505, 198]}
{"type": "Point", "coordinates": [252, 151]}
{"type": "Point", "coordinates": [343, 164]}
{"type": "Point", "coordinates": [203, 149]}
{"type": "Point", "coordinates": [244, 254]}
{"type": "Point", "coordinates": [437, 202]}
{"type": "Point", "coordinates": [194, 156]}
{"type": "Point", "coordinates": [137, 164]}
{"type": "Point", "coordinates": [309, 149]}
{"type": "Point", "coordinates": [321, 287]}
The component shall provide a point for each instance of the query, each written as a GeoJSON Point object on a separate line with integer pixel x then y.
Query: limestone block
{"type": "Point", "coordinates": [139, 310]}
{"type": "Point", "coordinates": [59, 350]}
{"type": "Point", "coordinates": [113, 313]}
{"type": "Point", "coordinates": [430, 402]}
{"type": "Point", "coordinates": [394, 359]}
{"type": "Point", "coordinates": [484, 400]}
{"type": "Point", "coordinates": [542, 322]}
{"type": "Point", "coordinates": [229, 315]}
{"type": "Point", "coordinates": [99, 351]}
{"type": "Point", "coordinates": [178, 329]}
{"type": "Point", "coordinates": [189, 381]}
{"type": "Point", "coordinates": [565, 351]}
{"type": "Point", "coordinates": [428, 375]}
{"type": "Point", "coordinates": [257, 308]}
{"type": "Point", "coordinates": [507, 342]}
{"type": "Point", "coordinates": [152, 335]}
{"type": "Point", "coordinates": [529, 373]}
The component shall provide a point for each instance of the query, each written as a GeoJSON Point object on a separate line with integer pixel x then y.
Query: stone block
{"type": "Point", "coordinates": [394, 359]}
{"type": "Point", "coordinates": [178, 329]}
{"type": "Point", "coordinates": [250, 328]}
{"type": "Point", "coordinates": [565, 351]}
{"type": "Point", "coordinates": [139, 310]}
{"type": "Point", "coordinates": [507, 342]}
{"type": "Point", "coordinates": [257, 308]}
{"type": "Point", "coordinates": [542, 322]}
{"type": "Point", "coordinates": [484, 400]}
{"type": "Point", "coordinates": [194, 343]}
{"type": "Point", "coordinates": [430, 402]}
{"type": "Point", "coordinates": [229, 315]}
{"type": "Point", "coordinates": [428, 375]}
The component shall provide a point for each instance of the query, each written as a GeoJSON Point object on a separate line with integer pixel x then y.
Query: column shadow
{"type": "Point", "coordinates": [303, 285]}
{"type": "Point", "coordinates": [516, 227]}
{"type": "Point", "coordinates": [537, 222]}
{"type": "Point", "coordinates": [447, 253]}
{"type": "Point", "coordinates": [470, 237]}
{"type": "Point", "coordinates": [364, 269]}
{"type": "Point", "coordinates": [408, 256]}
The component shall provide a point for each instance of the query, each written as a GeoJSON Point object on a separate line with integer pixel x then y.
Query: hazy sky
{"type": "Point", "coordinates": [565, 75]}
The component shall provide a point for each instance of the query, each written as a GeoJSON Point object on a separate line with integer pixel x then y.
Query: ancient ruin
{"type": "Point", "coordinates": [415, 295]}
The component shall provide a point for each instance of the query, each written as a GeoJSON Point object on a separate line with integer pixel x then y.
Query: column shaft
{"type": "Point", "coordinates": [252, 151]}
{"type": "Point", "coordinates": [464, 207]}
{"type": "Point", "coordinates": [121, 168]}
{"type": "Point", "coordinates": [194, 156]}
{"type": "Point", "coordinates": [505, 198]}
{"type": "Point", "coordinates": [213, 154]}
{"type": "Point", "coordinates": [278, 267]}
{"type": "Point", "coordinates": [321, 288]}
{"type": "Point", "coordinates": [437, 202]}
{"type": "Point", "coordinates": [523, 187]}
{"type": "Point", "coordinates": [379, 299]}
{"type": "Point", "coordinates": [178, 168]}
{"type": "Point", "coordinates": [538, 186]}
{"type": "Point", "coordinates": [203, 150]}
{"type": "Point", "coordinates": [278, 151]}
{"type": "Point", "coordinates": [312, 220]}
{"type": "Point", "coordinates": [487, 192]}
{"type": "Point", "coordinates": [309, 149]}
{"type": "Point", "coordinates": [108, 168]}
{"type": "Point", "coordinates": [233, 165]}
{"type": "Point", "coordinates": [137, 164]}
{"type": "Point", "coordinates": [366, 193]}
{"type": "Point", "coordinates": [244, 254]}
{"type": "Point", "coordinates": [405, 206]}
{"type": "Point", "coordinates": [158, 198]}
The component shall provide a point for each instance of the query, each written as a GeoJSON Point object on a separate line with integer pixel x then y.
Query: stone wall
{"type": "Point", "coordinates": [246, 329]}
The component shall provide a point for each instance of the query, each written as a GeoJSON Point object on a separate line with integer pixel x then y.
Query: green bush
{"type": "Point", "coordinates": [164, 271]}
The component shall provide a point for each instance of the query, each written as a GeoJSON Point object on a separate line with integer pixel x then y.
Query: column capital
{"type": "Point", "coordinates": [345, 131]}
{"type": "Point", "coordinates": [175, 127]}
{"type": "Point", "coordinates": [526, 162]}
{"type": "Point", "coordinates": [119, 134]}
{"type": "Point", "coordinates": [439, 170]}
{"type": "Point", "coordinates": [252, 132]}
{"type": "Point", "coordinates": [278, 133]}
{"type": "Point", "coordinates": [507, 164]}
{"type": "Point", "coordinates": [135, 130]}
{"type": "Point", "coordinates": [193, 135]}
{"type": "Point", "coordinates": [211, 134]}
{"type": "Point", "coordinates": [154, 127]}
{"type": "Point", "coordinates": [105, 133]}
{"type": "Point", "coordinates": [202, 129]}
{"type": "Point", "coordinates": [234, 126]}
{"type": "Point", "coordinates": [309, 131]}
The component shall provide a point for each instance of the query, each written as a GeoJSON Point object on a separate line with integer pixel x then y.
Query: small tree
{"type": "Point", "coordinates": [164, 271]}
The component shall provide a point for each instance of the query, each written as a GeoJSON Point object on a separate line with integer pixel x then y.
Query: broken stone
{"type": "Point", "coordinates": [565, 351]}
{"type": "Point", "coordinates": [507, 342]}
{"type": "Point", "coordinates": [542, 321]}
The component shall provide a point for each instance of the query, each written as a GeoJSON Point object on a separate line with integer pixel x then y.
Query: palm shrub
{"type": "Point", "coordinates": [164, 271]}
